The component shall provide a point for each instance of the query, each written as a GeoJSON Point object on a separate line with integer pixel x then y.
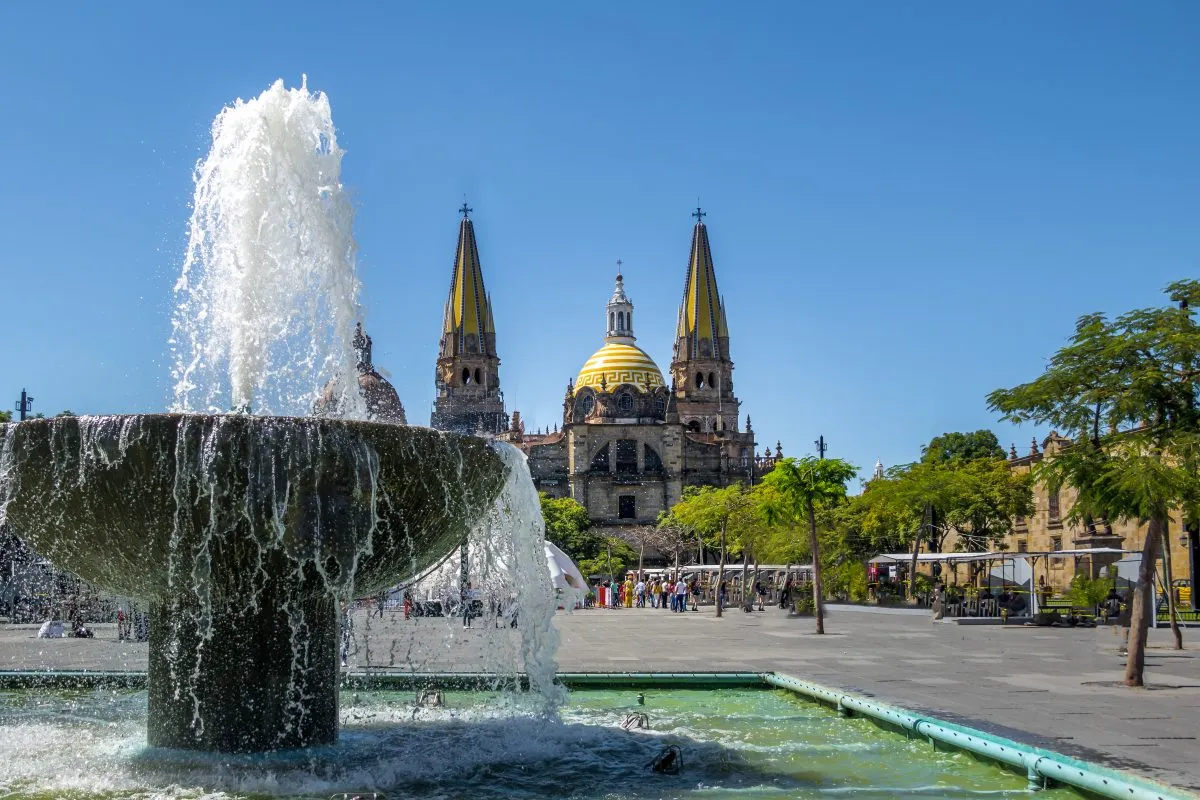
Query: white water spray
{"type": "Point", "coordinates": [268, 296]}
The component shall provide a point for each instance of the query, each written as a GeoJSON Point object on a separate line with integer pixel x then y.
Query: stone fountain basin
{"type": "Point", "coordinates": [243, 534]}
{"type": "Point", "coordinates": [151, 505]}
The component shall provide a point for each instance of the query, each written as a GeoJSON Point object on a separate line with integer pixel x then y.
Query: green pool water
{"type": "Point", "coordinates": [741, 743]}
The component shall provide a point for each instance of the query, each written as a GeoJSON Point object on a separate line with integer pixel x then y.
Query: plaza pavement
{"type": "Point", "coordinates": [1053, 687]}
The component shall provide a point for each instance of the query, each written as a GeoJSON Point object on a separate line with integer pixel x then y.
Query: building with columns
{"type": "Point", "coordinates": [629, 442]}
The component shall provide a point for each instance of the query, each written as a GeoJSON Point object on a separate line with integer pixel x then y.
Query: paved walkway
{"type": "Point", "coordinates": [1054, 687]}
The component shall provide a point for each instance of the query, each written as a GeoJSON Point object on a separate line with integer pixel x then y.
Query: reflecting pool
{"type": "Point", "coordinates": [742, 743]}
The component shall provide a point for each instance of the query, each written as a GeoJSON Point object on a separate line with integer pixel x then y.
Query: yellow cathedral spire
{"type": "Point", "coordinates": [702, 331]}
{"type": "Point", "coordinates": [467, 376]}
{"type": "Point", "coordinates": [467, 325]}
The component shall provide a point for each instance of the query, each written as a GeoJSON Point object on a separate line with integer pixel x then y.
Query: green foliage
{"type": "Point", "coordinates": [614, 558]}
{"type": "Point", "coordinates": [1125, 390]}
{"type": "Point", "coordinates": [65, 413]}
{"type": "Point", "coordinates": [797, 486]}
{"type": "Point", "coordinates": [724, 517]}
{"type": "Point", "coordinates": [569, 527]}
{"type": "Point", "coordinates": [846, 580]}
{"type": "Point", "coordinates": [5, 416]}
{"type": "Point", "coordinates": [976, 498]}
{"type": "Point", "coordinates": [1086, 592]}
{"type": "Point", "coordinates": [948, 447]}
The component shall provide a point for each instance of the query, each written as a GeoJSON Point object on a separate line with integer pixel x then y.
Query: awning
{"type": "Point", "coordinates": [926, 558]}
{"type": "Point", "coordinates": [1083, 551]}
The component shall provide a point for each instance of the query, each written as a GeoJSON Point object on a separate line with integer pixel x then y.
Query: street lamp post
{"type": "Point", "coordinates": [24, 405]}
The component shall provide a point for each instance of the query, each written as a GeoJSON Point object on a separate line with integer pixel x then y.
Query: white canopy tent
{"type": "Point", "coordinates": [1051, 555]}
{"type": "Point", "coordinates": [1023, 565]}
{"type": "Point", "coordinates": [569, 583]}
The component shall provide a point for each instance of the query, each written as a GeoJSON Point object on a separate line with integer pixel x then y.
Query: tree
{"type": "Point", "coordinates": [569, 526]}
{"type": "Point", "coordinates": [962, 485]}
{"type": "Point", "coordinates": [613, 558]}
{"type": "Point", "coordinates": [675, 537]}
{"type": "Point", "coordinates": [981, 444]}
{"type": "Point", "coordinates": [800, 488]}
{"type": "Point", "coordinates": [715, 512]}
{"type": "Point", "coordinates": [1125, 389]}
{"type": "Point", "coordinates": [65, 413]}
{"type": "Point", "coordinates": [5, 416]}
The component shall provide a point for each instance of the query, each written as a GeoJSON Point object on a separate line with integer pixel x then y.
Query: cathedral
{"type": "Point", "coordinates": [629, 441]}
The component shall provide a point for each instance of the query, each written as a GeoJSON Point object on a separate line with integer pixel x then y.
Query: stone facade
{"type": "Point", "coordinates": [627, 448]}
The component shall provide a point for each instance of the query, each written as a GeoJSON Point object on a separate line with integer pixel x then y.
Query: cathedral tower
{"type": "Point", "coordinates": [467, 379]}
{"type": "Point", "coordinates": [701, 369]}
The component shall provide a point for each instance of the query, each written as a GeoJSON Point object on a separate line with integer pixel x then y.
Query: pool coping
{"type": "Point", "coordinates": [1041, 767]}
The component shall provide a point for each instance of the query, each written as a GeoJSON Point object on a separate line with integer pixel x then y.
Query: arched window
{"type": "Point", "coordinates": [653, 461]}
{"type": "Point", "coordinates": [600, 460]}
{"type": "Point", "coordinates": [660, 405]}
{"type": "Point", "coordinates": [694, 426]}
{"type": "Point", "coordinates": [629, 320]}
{"type": "Point", "coordinates": [478, 375]}
{"type": "Point", "coordinates": [610, 320]}
{"type": "Point", "coordinates": [699, 380]}
{"type": "Point", "coordinates": [589, 404]}
{"type": "Point", "coordinates": [712, 381]}
{"type": "Point", "coordinates": [620, 320]}
{"type": "Point", "coordinates": [466, 376]}
{"type": "Point", "coordinates": [625, 402]}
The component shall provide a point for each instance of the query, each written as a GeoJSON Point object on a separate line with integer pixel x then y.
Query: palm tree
{"type": "Point", "coordinates": [798, 489]}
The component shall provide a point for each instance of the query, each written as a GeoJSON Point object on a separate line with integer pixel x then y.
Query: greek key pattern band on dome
{"type": "Point", "coordinates": [613, 378]}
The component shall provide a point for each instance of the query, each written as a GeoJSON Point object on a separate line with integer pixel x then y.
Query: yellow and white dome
{"type": "Point", "coordinates": [620, 363]}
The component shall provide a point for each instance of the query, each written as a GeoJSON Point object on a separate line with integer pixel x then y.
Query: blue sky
{"type": "Point", "coordinates": [909, 203]}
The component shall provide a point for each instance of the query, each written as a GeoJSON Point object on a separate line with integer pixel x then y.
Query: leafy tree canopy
{"type": "Point", "coordinates": [981, 444]}
{"type": "Point", "coordinates": [569, 527]}
{"type": "Point", "coordinates": [1125, 390]}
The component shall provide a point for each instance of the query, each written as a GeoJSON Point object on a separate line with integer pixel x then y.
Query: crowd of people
{"type": "Point", "coordinates": [678, 593]}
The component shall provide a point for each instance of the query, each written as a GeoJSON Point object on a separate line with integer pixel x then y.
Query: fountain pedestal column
{"type": "Point", "coordinates": [241, 677]}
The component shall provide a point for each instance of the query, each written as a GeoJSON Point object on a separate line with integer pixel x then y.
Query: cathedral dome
{"type": "Point", "coordinates": [619, 363]}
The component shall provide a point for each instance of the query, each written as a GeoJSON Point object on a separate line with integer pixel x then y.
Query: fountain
{"type": "Point", "coordinates": [245, 532]}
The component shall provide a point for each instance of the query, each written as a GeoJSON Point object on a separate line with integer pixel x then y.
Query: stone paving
{"type": "Point", "coordinates": [1054, 687]}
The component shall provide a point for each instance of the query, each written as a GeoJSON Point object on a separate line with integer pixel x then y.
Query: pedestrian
{"type": "Point", "coordinates": [627, 596]}
{"type": "Point", "coordinates": [695, 592]}
{"type": "Point", "coordinates": [639, 592]}
{"type": "Point", "coordinates": [681, 592]}
{"type": "Point", "coordinates": [655, 593]}
{"type": "Point", "coordinates": [761, 593]}
{"type": "Point", "coordinates": [380, 602]}
{"type": "Point", "coordinates": [469, 595]}
{"type": "Point", "coordinates": [120, 624]}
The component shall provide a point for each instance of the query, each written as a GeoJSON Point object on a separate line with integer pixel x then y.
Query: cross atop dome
{"type": "Point", "coordinates": [465, 210]}
{"type": "Point", "coordinates": [699, 214]}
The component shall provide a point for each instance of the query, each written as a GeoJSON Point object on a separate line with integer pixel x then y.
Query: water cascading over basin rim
{"type": "Point", "coordinates": [243, 533]}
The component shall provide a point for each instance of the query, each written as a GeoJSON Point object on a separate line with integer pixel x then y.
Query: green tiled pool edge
{"type": "Point", "coordinates": [1041, 767]}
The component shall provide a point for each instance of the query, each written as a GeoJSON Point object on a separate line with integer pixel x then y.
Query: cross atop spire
{"type": "Point", "coordinates": [699, 214]}
{"type": "Point", "coordinates": [619, 263]}
{"type": "Point", "coordinates": [465, 210]}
